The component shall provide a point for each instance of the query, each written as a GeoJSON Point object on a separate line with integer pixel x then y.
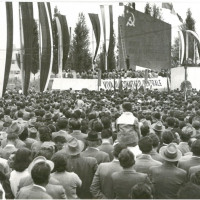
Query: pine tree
{"type": "Point", "coordinates": [82, 59]}
{"type": "Point", "coordinates": [156, 13]}
{"type": "Point", "coordinates": [190, 22]}
{"type": "Point", "coordinates": [148, 9]}
{"type": "Point", "coordinates": [111, 62]}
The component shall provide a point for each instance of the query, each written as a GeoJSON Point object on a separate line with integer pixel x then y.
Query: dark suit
{"type": "Point", "coordinates": [32, 192]}
{"type": "Point", "coordinates": [156, 156]}
{"type": "Point", "coordinates": [167, 180]}
{"type": "Point", "coordinates": [101, 187]}
{"type": "Point", "coordinates": [123, 181]}
{"type": "Point", "coordinates": [85, 168]}
{"type": "Point", "coordinates": [107, 148]}
{"type": "Point", "coordinates": [144, 162]}
{"type": "Point", "coordinates": [189, 162]}
{"type": "Point", "coordinates": [95, 153]}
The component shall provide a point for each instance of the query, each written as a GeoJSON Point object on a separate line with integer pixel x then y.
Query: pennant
{"type": "Point", "coordinates": [47, 46]}
{"type": "Point", "coordinates": [167, 6]}
{"type": "Point", "coordinates": [94, 18]}
{"type": "Point", "coordinates": [9, 49]}
{"type": "Point", "coordinates": [170, 7]}
{"type": "Point", "coordinates": [179, 17]}
{"type": "Point", "coordinates": [27, 29]}
{"type": "Point", "coordinates": [60, 47]}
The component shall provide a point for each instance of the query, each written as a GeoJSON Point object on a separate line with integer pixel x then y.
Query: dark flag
{"type": "Point", "coordinates": [47, 45]}
{"type": "Point", "coordinates": [94, 18]}
{"type": "Point", "coordinates": [9, 49]}
{"type": "Point", "coordinates": [65, 37]}
{"type": "Point", "coordinates": [27, 29]}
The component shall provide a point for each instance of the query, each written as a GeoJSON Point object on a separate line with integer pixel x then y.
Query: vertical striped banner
{"type": "Point", "coordinates": [47, 45]}
{"type": "Point", "coordinates": [104, 33]}
{"type": "Point", "coordinates": [9, 48]}
{"type": "Point", "coordinates": [3, 44]}
{"type": "Point", "coordinates": [27, 32]}
{"type": "Point", "coordinates": [94, 18]}
{"type": "Point", "coordinates": [60, 47]}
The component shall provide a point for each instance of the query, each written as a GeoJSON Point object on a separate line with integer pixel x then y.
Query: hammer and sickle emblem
{"type": "Point", "coordinates": [131, 20]}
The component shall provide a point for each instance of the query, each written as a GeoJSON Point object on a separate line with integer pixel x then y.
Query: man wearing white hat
{"type": "Point", "coordinates": [167, 178]}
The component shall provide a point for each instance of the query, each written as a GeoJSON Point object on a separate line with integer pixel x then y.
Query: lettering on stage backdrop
{"type": "Point", "coordinates": [159, 83]}
{"type": "Point", "coordinates": [134, 83]}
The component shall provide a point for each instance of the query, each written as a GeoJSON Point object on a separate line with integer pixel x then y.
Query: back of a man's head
{"type": "Point", "coordinates": [145, 144]}
{"type": "Point", "coordinates": [40, 173]}
{"type": "Point", "coordinates": [117, 149]}
{"type": "Point", "coordinates": [170, 121]}
{"type": "Point", "coordinates": [167, 137]}
{"type": "Point", "coordinates": [127, 106]}
{"type": "Point", "coordinates": [195, 147]}
{"type": "Point", "coordinates": [106, 133]}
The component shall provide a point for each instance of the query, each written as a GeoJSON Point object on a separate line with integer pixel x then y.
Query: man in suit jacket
{"type": "Point", "coordinates": [84, 167]}
{"type": "Point", "coordinates": [145, 161]}
{"type": "Point", "coordinates": [123, 181]}
{"type": "Point", "coordinates": [167, 178]}
{"type": "Point", "coordinates": [40, 174]}
{"type": "Point", "coordinates": [106, 146]}
{"type": "Point", "coordinates": [191, 161]}
{"type": "Point", "coordinates": [101, 187]}
{"type": "Point", "coordinates": [93, 151]}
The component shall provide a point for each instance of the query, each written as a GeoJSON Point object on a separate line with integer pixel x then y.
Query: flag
{"type": "Point", "coordinates": [167, 6]}
{"type": "Point", "coordinates": [27, 32]}
{"type": "Point", "coordinates": [9, 49]}
{"type": "Point", "coordinates": [94, 18]}
{"type": "Point", "coordinates": [47, 45]}
{"type": "Point", "coordinates": [170, 7]}
{"type": "Point", "coordinates": [179, 17]}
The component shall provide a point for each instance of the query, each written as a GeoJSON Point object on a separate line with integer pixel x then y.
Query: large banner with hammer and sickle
{"type": "Point", "coordinates": [145, 40]}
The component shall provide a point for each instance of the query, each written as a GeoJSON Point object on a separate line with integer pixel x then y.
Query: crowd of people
{"type": "Point", "coordinates": [100, 145]}
{"type": "Point", "coordinates": [93, 74]}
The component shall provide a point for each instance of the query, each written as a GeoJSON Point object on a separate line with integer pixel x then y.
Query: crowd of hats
{"type": "Point", "coordinates": [47, 114]}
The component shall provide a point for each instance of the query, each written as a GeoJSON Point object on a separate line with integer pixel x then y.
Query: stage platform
{"type": "Point", "coordinates": [178, 76]}
{"type": "Point", "coordinates": [159, 83]}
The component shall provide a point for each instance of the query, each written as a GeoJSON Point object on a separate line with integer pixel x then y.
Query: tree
{"type": "Point", "coordinates": [82, 59]}
{"type": "Point", "coordinates": [35, 45]}
{"type": "Point", "coordinates": [190, 22]}
{"type": "Point", "coordinates": [156, 12]}
{"type": "Point", "coordinates": [101, 59]}
{"type": "Point", "coordinates": [111, 61]}
{"type": "Point", "coordinates": [175, 53]}
{"type": "Point", "coordinates": [148, 9]}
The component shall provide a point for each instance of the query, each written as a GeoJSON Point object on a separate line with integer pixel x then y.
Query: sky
{"type": "Point", "coordinates": [72, 8]}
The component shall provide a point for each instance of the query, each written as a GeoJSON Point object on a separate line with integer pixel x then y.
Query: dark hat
{"type": "Point", "coordinates": [92, 136]}
{"type": "Point", "coordinates": [74, 146]}
{"type": "Point", "coordinates": [170, 153]}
